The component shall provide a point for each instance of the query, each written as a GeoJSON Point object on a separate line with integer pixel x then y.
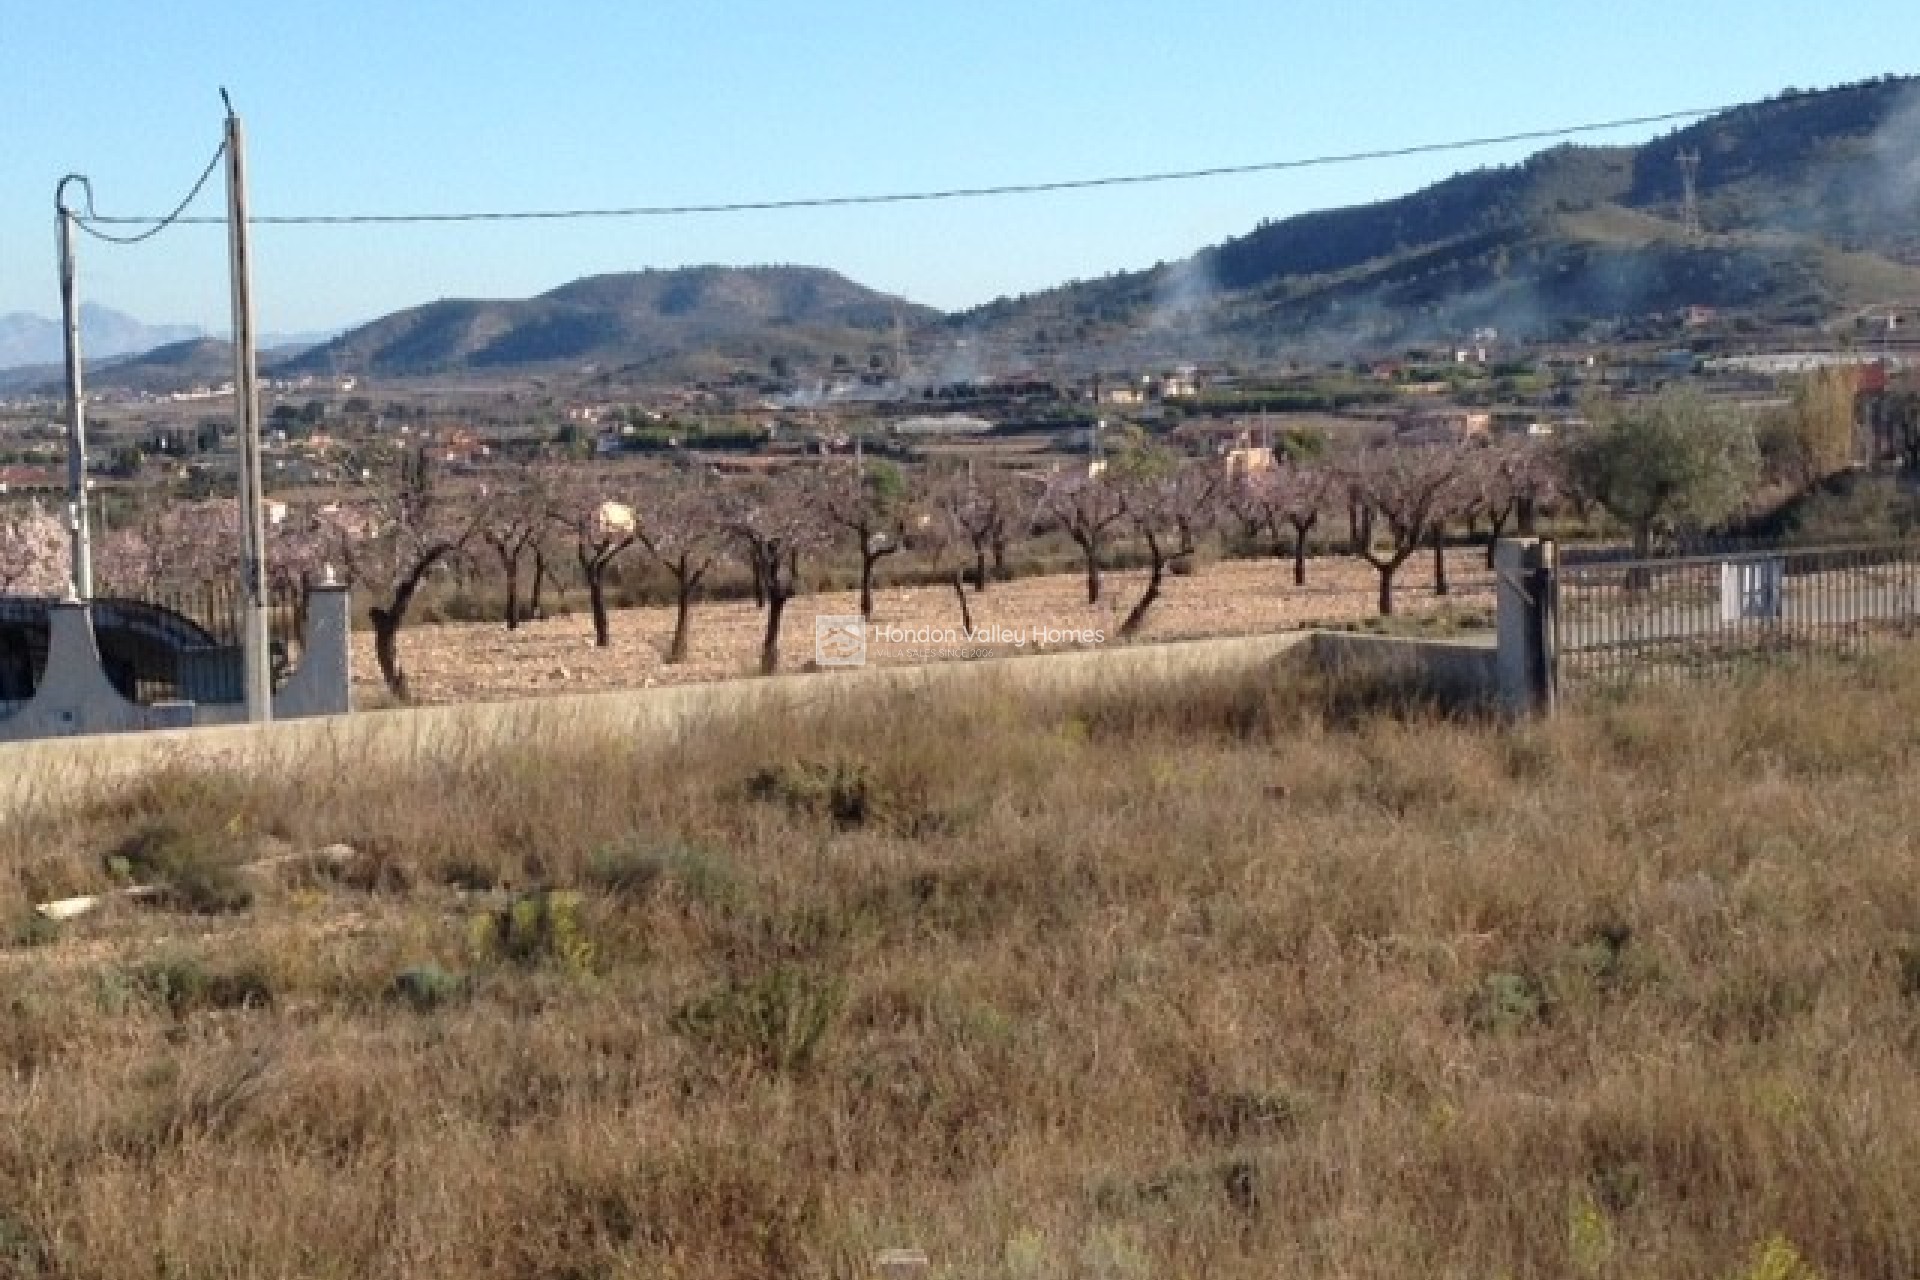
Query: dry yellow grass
{"type": "Point", "coordinates": [1250, 978]}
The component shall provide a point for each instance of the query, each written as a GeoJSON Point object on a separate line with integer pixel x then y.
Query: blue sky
{"type": "Point", "coordinates": [425, 106]}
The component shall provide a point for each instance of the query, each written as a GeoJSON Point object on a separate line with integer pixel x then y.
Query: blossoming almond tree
{"type": "Point", "coordinates": [34, 551]}
{"type": "Point", "coordinates": [398, 527]}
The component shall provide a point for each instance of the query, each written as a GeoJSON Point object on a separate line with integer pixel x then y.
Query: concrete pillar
{"type": "Point", "coordinates": [322, 685]}
{"type": "Point", "coordinates": [74, 695]}
{"type": "Point", "coordinates": [1522, 568]}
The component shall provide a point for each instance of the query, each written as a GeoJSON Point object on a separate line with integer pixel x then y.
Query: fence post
{"type": "Point", "coordinates": [1523, 569]}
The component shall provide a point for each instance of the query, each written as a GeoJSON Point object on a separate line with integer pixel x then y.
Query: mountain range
{"type": "Point", "coordinates": [27, 339]}
{"type": "Point", "coordinates": [1801, 214]}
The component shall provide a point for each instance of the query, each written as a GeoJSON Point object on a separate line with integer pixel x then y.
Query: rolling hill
{"type": "Point", "coordinates": [1805, 206]}
{"type": "Point", "coordinates": [648, 322]}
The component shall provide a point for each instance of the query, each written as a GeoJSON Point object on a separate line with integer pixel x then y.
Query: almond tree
{"type": "Point", "coordinates": [1285, 502]}
{"type": "Point", "coordinates": [1087, 505]}
{"type": "Point", "coordinates": [518, 516]}
{"type": "Point", "coordinates": [1401, 494]}
{"type": "Point", "coordinates": [680, 527]}
{"type": "Point", "coordinates": [34, 550]}
{"type": "Point", "coordinates": [1510, 481]}
{"type": "Point", "coordinates": [775, 527]}
{"type": "Point", "coordinates": [1168, 501]}
{"type": "Point", "coordinates": [400, 525]}
{"type": "Point", "coordinates": [945, 534]}
{"type": "Point", "coordinates": [603, 528]}
{"type": "Point", "coordinates": [984, 508]}
{"type": "Point", "coordinates": [869, 502]}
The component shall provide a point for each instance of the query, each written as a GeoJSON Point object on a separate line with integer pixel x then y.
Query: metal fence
{"type": "Point", "coordinates": [1619, 620]}
{"type": "Point", "coordinates": [204, 641]}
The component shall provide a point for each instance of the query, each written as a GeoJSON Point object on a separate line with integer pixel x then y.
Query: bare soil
{"type": "Point", "coordinates": [466, 662]}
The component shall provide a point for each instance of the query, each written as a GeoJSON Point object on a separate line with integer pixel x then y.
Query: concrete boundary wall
{"type": "Point", "coordinates": [57, 771]}
{"type": "Point", "coordinates": [64, 769]}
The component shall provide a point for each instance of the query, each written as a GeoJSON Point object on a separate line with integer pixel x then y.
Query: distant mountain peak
{"type": "Point", "coordinates": [27, 339]}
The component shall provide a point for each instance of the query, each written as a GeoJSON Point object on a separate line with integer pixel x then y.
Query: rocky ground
{"type": "Point", "coordinates": [461, 662]}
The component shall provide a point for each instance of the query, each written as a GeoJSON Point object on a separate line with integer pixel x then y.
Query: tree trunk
{"type": "Point", "coordinates": [1091, 550]}
{"type": "Point", "coordinates": [759, 585]}
{"type": "Point", "coordinates": [1386, 587]}
{"type": "Point", "coordinates": [386, 651]}
{"type": "Point", "coordinates": [1000, 559]}
{"type": "Point", "coordinates": [682, 620]}
{"type": "Point", "coordinates": [1138, 615]}
{"type": "Point", "coordinates": [597, 600]}
{"type": "Point", "coordinates": [539, 582]}
{"type": "Point", "coordinates": [867, 561]}
{"type": "Point", "coordinates": [1300, 532]}
{"type": "Point", "coordinates": [1528, 511]}
{"type": "Point", "coordinates": [510, 566]}
{"type": "Point", "coordinates": [770, 645]}
{"type": "Point", "coordinates": [1496, 528]}
{"type": "Point", "coordinates": [979, 568]}
{"type": "Point", "coordinates": [1439, 540]}
{"type": "Point", "coordinates": [960, 593]}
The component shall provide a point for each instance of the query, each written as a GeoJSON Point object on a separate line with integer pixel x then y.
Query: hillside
{"type": "Point", "coordinates": [1805, 206]}
{"type": "Point", "coordinates": [647, 322]}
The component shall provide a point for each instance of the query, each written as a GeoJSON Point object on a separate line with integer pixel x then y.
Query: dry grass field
{"type": "Point", "coordinates": [1243, 979]}
{"type": "Point", "coordinates": [463, 661]}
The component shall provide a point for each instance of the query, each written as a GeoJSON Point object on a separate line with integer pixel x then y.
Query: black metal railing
{"type": "Point", "coordinates": [1620, 620]}
{"type": "Point", "coordinates": [202, 629]}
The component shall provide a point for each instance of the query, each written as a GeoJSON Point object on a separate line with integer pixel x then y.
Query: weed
{"type": "Point", "coordinates": [194, 870]}
{"type": "Point", "coordinates": [841, 790]}
{"type": "Point", "coordinates": [777, 1019]}
{"type": "Point", "coordinates": [183, 985]}
{"type": "Point", "coordinates": [543, 927]}
{"type": "Point", "coordinates": [428, 987]}
{"type": "Point", "coordinates": [1506, 1002]}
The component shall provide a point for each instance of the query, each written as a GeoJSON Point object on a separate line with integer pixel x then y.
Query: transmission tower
{"type": "Point", "coordinates": [1689, 193]}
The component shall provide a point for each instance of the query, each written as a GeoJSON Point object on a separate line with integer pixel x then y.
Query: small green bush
{"type": "Point", "coordinates": [543, 927]}
{"type": "Point", "coordinates": [1506, 1002]}
{"type": "Point", "coordinates": [194, 871]}
{"type": "Point", "coordinates": [428, 987]}
{"type": "Point", "coordinates": [843, 790]}
{"type": "Point", "coordinates": [777, 1020]}
{"type": "Point", "coordinates": [182, 985]}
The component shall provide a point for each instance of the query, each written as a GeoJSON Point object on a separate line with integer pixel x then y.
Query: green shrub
{"type": "Point", "coordinates": [32, 930]}
{"type": "Point", "coordinates": [1506, 1002]}
{"type": "Point", "coordinates": [777, 1020]}
{"type": "Point", "coordinates": [542, 927]}
{"type": "Point", "coordinates": [842, 790]}
{"type": "Point", "coordinates": [428, 987]}
{"type": "Point", "coordinates": [193, 870]}
{"type": "Point", "coordinates": [182, 985]}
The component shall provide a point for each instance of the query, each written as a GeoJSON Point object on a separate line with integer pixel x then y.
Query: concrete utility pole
{"type": "Point", "coordinates": [246, 417]}
{"type": "Point", "coordinates": [82, 551]}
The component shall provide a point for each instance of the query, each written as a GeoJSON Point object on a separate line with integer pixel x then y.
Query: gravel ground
{"type": "Point", "coordinates": [472, 662]}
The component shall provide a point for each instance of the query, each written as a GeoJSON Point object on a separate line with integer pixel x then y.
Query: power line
{"type": "Point", "coordinates": [90, 221]}
{"type": "Point", "coordinates": [899, 197]}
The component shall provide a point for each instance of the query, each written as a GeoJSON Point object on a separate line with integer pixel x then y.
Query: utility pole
{"type": "Point", "coordinates": [82, 541]}
{"type": "Point", "coordinates": [246, 415]}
